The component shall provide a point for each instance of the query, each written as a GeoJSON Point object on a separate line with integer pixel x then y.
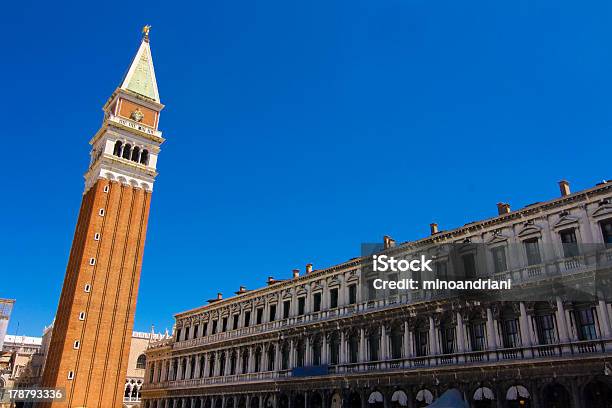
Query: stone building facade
{"type": "Point", "coordinates": [318, 340]}
{"type": "Point", "coordinates": [136, 366]}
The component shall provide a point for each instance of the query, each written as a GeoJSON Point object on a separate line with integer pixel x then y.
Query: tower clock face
{"type": "Point", "coordinates": [137, 115]}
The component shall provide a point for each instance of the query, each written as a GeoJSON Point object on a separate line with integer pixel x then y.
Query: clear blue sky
{"type": "Point", "coordinates": [295, 130]}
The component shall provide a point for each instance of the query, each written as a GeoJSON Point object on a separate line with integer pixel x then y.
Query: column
{"type": "Point", "coordinates": [179, 370]}
{"type": "Point", "coordinates": [524, 324]}
{"type": "Point", "coordinates": [187, 374]}
{"type": "Point", "coordinates": [491, 333]}
{"type": "Point", "coordinates": [291, 354]}
{"type": "Point", "coordinates": [575, 391]}
{"type": "Point", "coordinates": [307, 356]}
{"type": "Point", "coordinates": [228, 369]}
{"type": "Point", "coordinates": [342, 347]}
{"type": "Point", "coordinates": [604, 318]}
{"type": "Point", "coordinates": [206, 365]}
{"type": "Point", "coordinates": [325, 296]}
{"type": "Point", "coordinates": [265, 318]}
{"type": "Point", "coordinates": [217, 364]}
{"type": "Point", "coordinates": [162, 375]}
{"type": "Point", "coordinates": [277, 357]}
{"type": "Point", "coordinates": [362, 345]}
{"type": "Point", "coordinates": [460, 333]}
{"type": "Point", "coordinates": [407, 341]}
{"type": "Point", "coordinates": [433, 343]}
{"type": "Point", "coordinates": [251, 366]}
{"type": "Point", "coordinates": [198, 366]}
{"type": "Point", "coordinates": [383, 343]}
{"type": "Point", "coordinates": [308, 301]}
{"type": "Point", "coordinates": [560, 315]}
{"type": "Point", "coordinates": [293, 310]}
{"type": "Point", "coordinates": [239, 361]}
{"type": "Point", "coordinates": [262, 359]}
{"type": "Point", "coordinates": [324, 358]}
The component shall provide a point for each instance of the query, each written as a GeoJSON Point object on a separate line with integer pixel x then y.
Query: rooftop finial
{"type": "Point", "coordinates": [145, 32]}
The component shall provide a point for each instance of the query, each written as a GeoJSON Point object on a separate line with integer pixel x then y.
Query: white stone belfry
{"type": "Point", "coordinates": [126, 146]}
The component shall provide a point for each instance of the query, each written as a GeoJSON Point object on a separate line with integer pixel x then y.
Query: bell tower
{"type": "Point", "coordinates": [90, 345]}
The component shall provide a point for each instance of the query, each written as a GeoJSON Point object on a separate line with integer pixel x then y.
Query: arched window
{"type": "Point", "coordinates": [544, 318]}
{"type": "Point", "coordinates": [510, 328]}
{"type": "Point", "coordinates": [374, 343]}
{"type": "Point", "coordinates": [245, 360]}
{"type": "Point", "coordinates": [117, 149]}
{"type": "Point", "coordinates": [447, 331]}
{"type": "Point", "coordinates": [477, 331]}
{"type": "Point", "coordinates": [353, 348]}
{"type": "Point", "coordinates": [232, 363]}
{"type": "Point", "coordinates": [271, 358]}
{"type": "Point", "coordinates": [141, 362]}
{"type": "Point", "coordinates": [257, 360]}
{"type": "Point", "coordinates": [421, 338]}
{"type": "Point", "coordinates": [135, 154]}
{"type": "Point", "coordinates": [202, 362]}
{"type": "Point", "coordinates": [334, 349]}
{"type": "Point", "coordinates": [135, 391]}
{"type": "Point", "coordinates": [192, 366]}
{"type": "Point", "coordinates": [174, 369]}
{"type": "Point", "coordinates": [127, 151]}
{"type": "Point", "coordinates": [144, 157]}
{"type": "Point", "coordinates": [128, 391]}
{"type": "Point", "coordinates": [316, 351]}
{"type": "Point", "coordinates": [399, 399]}
{"type": "Point", "coordinates": [397, 336]}
{"type": "Point", "coordinates": [285, 357]}
{"type": "Point", "coordinates": [424, 397]}
{"type": "Point", "coordinates": [184, 369]}
{"type": "Point", "coordinates": [222, 358]}
{"type": "Point", "coordinates": [211, 367]}
{"type": "Point", "coordinates": [300, 354]}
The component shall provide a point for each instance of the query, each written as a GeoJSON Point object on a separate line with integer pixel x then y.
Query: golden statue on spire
{"type": "Point", "coordinates": [145, 32]}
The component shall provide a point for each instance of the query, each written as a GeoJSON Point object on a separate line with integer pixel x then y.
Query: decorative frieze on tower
{"type": "Point", "coordinates": [89, 349]}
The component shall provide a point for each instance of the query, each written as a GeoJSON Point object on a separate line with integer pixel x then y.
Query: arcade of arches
{"type": "Point", "coordinates": [565, 393]}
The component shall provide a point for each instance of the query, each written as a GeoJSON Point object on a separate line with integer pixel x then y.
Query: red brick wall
{"type": "Point", "coordinates": [100, 364]}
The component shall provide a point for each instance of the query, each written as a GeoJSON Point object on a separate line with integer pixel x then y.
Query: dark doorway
{"type": "Point", "coordinates": [556, 396]}
{"type": "Point", "coordinates": [598, 394]}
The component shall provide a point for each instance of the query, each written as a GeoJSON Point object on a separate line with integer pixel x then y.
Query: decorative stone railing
{"type": "Point", "coordinates": [133, 125]}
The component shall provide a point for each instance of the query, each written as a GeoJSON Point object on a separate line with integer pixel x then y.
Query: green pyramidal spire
{"type": "Point", "coordinates": [140, 78]}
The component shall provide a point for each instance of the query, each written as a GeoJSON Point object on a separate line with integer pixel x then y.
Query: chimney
{"type": "Point", "coordinates": [296, 273]}
{"type": "Point", "coordinates": [242, 290]}
{"type": "Point", "coordinates": [271, 280]}
{"type": "Point", "coordinates": [388, 242]}
{"type": "Point", "coordinates": [308, 268]}
{"type": "Point", "coordinates": [503, 208]}
{"type": "Point", "coordinates": [219, 296]}
{"type": "Point", "coordinates": [433, 227]}
{"type": "Point", "coordinates": [564, 188]}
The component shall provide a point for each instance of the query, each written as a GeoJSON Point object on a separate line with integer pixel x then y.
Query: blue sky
{"type": "Point", "coordinates": [295, 130]}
